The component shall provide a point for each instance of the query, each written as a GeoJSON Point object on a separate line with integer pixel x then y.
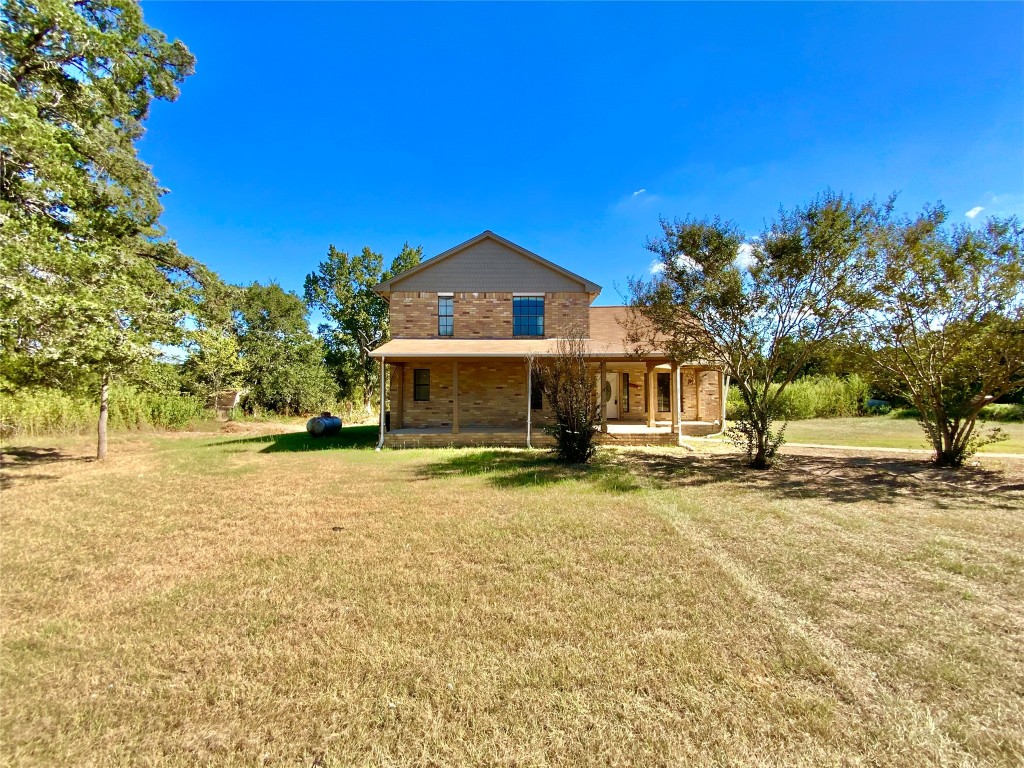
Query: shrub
{"type": "Point", "coordinates": [813, 397]}
{"type": "Point", "coordinates": [37, 412]}
{"type": "Point", "coordinates": [568, 383]}
{"type": "Point", "coordinates": [1002, 412]}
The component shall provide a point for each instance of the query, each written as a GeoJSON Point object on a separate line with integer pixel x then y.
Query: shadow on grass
{"type": "Point", "coordinates": [363, 436]}
{"type": "Point", "coordinates": [19, 464]}
{"type": "Point", "coordinates": [839, 479]}
{"type": "Point", "coordinates": [513, 468]}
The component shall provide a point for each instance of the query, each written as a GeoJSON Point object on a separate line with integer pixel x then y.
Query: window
{"type": "Point", "coordinates": [421, 384]}
{"type": "Point", "coordinates": [664, 399]}
{"type": "Point", "coordinates": [624, 393]}
{"type": "Point", "coordinates": [445, 315]}
{"type": "Point", "coordinates": [527, 315]}
{"type": "Point", "coordinates": [536, 395]}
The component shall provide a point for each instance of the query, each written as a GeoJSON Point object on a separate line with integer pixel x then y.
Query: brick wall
{"type": "Point", "coordinates": [483, 315]}
{"type": "Point", "coordinates": [490, 394]}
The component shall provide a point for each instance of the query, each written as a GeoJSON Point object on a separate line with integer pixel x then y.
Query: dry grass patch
{"type": "Point", "coordinates": [243, 600]}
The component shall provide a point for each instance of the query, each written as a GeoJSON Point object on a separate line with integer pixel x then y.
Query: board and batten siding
{"type": "Point", "coordinates": [485, 267]}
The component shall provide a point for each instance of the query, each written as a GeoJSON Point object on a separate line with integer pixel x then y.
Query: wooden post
{"type": "Point", "coordinates": [674, 395]}
{"type": "Point", "coordinates": [721, 394]}
{"type": "Point", "coordinates": [696, 390]}
{"type": "Point", "coordinates": [455, 397]}
{"type": "Point", "coordinates": [602, 379]}
{"type": "Point", "coordinates": [652, 395]}
{"type": "Point", "coordinates": [383, 395]}
{"type": "Point", "coordinates": [397, 395]}
{"type": "Point", "coordinates": [529, 400]}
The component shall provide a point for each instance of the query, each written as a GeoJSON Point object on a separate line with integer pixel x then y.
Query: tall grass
{"type": "Point", "coordinates": [813, 397]}
{"type": "Point", "coordinates": [38, 412]}
{"type": "Point", "coordinates": [996, 412]}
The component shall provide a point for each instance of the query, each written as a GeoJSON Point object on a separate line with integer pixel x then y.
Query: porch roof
{"type": "Point", "coordinates": [507, 348]}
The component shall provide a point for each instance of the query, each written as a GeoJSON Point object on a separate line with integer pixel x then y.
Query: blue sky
{"type": "Point", "coordinates": [570, 128]}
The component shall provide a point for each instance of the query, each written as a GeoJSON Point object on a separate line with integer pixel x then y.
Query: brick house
{"type": "Point", "coordinates": [467, 327]}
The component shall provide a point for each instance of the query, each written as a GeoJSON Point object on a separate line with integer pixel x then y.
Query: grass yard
{"type": "Point", "coordinates": [887, 432]}
{"type": "Point", "coordinates": [240, 600]}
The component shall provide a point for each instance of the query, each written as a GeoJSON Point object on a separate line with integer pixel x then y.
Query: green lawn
{"type": "Point", "coordinates": [251, 600]}
{"type": "Point", "coordinates": [887, 432]}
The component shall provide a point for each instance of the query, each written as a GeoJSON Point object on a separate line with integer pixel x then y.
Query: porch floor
{"type": "Point", "coordinates": [619, 433]}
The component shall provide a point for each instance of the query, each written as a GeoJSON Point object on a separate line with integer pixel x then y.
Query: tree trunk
{"type": "Point", "coordinates": [950, 452]}
{"type": "Point", "coordinates": [101, 428]}
{"type": "Point", "coordinates": [760, 458]}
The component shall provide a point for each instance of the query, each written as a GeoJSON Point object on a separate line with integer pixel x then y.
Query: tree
{"type": "Point", "coordinates": [356, 318]}
{"type": "Point", "coordinates": [88, 282]}
{"type": "Point", "coordinates": [947, 332]}
{"type": "Point", "coordinates": [214, 361]}
{"type": "Point", "coordinates": [809, 276]}
{"type": "Point", "coordinates": [284, 369]}
{"type": "Point", "coordinates": [568, 383]}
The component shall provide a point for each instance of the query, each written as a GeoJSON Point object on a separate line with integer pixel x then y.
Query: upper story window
{"type": "Point", "coordinates": [527, 315]}
{"type": "Point", "coordinates": [445, 314]}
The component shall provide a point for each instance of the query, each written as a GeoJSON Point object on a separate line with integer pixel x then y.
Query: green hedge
{"type": "Point", "coordinates": [995, 412]}
{"type": "Point", "coordinates": [813, 397]}
{"type": "Point", "coordinates": [38, 412]}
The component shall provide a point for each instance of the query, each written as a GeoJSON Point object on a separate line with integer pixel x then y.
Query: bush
{"type": "Point", "coordinates": [568, 384]}
{"type": "Point", "coordinates": [813, 397]}
{"type": "Point", "coordinates": [1002, 412]}
{"type": "Point", "coordinates": [37, 412]}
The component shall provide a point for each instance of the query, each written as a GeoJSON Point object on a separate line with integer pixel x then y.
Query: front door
{"type": "Point", "coordinates": [610, 393]}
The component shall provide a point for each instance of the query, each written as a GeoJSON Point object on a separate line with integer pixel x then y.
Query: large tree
{"type": "Point", "coordinates": [88, 281]}
{"type": "Point", "coordinates": [283, 362]}
{"type": "Point", "coordinates": [356, 318]}
{"type": "Point", "coordinates": [214, 360]}
{"type": "Point", "coordinates": [947, 332]}
{"type": "Point", "coordinates": [809, 275]}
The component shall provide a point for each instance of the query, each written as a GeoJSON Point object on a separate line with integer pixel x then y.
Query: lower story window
{"type": "Point", "coordinates": [536, 396]}
{"type": "Point", "coordinates": [421, 384]}
{"type": "Point", "coordinates": [664, 398]}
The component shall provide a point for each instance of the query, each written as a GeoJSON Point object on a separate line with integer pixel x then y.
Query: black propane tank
{"type": "Point", "coordinates": [323, 425]}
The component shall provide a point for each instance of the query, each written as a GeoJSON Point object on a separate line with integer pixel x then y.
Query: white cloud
{"type": "Point", "coordinates": [656, 267]}
{"type": "Point", "coordinates": [974, 212]}
{"type": "Point", "coordinates": [639, 192]}
{"type": "Point", "coordinates": [745, 256]}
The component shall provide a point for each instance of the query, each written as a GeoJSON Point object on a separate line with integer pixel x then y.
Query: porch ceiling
{"type": "Point", "coordinates": [499, 348]}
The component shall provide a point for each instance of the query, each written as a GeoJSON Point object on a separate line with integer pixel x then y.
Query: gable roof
{"type": "Point", "coordinates": [385, 287]}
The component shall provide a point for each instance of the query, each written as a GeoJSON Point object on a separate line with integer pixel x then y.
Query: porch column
{"type": "Point", "coordinates": [455, 397]}
{"type": "Point", "coordinates": [722, 393]}
{"type": "Point", "coordinates": [652, 395]}
{"type": "Point", "coordinates": [383, 395]}
{"type": "Point", "coordinates": [674, 395]}
{"type": "Point", "coordinates": [397, 395]}
{"type": "Point", "coordinates": [600, 398]}
{"type": "Point", "coordinates": [697, 373]}
{"type": "Point", "coordinates": [529, 400]}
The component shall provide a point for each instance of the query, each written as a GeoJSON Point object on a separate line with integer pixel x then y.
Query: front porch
{"type": "Point", "coordinates": [464, 401]}
{"type": "Point", "coordinates": [622, 433]}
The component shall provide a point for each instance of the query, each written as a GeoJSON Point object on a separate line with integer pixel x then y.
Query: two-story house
{"type": "Point", "coordinates": [467, 328]}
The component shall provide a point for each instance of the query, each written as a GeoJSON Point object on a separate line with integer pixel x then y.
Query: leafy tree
{"type": "Point", "coordinates": [88, 282]}
{"type": "Point", "coordinates": [214, 361]}
{"type": "Point", "coordinates": [567, 381]}
{"type": "Point", "coordinates": [809, 276]}
{"type": "Point", "coordinates": [284, 369]}
{"type": "Point", "coordinates": [947, 332]}
{"type": "Point", "coordinates": [356, 317]}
